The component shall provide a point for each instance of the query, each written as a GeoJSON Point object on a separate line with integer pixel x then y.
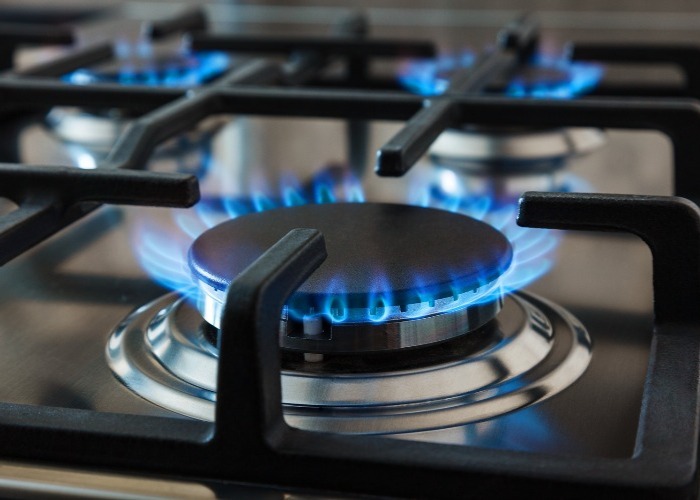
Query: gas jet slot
{"type": "Point", "coordinates": [316, 327]}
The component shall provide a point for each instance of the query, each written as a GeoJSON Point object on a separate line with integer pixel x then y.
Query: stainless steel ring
{"type": "Point", "coordinates": [417, 325]}
{"type": "Point", "coordinates": [541, 349]}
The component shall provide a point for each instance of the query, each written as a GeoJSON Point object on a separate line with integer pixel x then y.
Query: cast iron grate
{"type": "Point", "coordinates": [250, 441]}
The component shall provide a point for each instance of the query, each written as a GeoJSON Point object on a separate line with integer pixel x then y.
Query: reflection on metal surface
{"type": "Point", "coordinates": [20, 481]}
{"type": "Point", "coordinates": [95, 132]}
{"type": "Point", "coordinates": [160, 353]}
{"type": "Point", "coordinates": [473, 148]}
{"type": "Point", "coordinates": [178, 343]}
{"type": "Point", "coordinates": [502, 163]}
{"type": "Point", "coordinates": [7, 206]}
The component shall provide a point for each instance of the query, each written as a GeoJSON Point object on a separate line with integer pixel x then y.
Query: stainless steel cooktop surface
{"type": "Point", "coordinates": [61, 302]}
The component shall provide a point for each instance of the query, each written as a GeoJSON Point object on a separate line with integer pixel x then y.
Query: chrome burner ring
{"type": "Point", "coordinates": [532, 351]}
{"type": "Point", "coordinates": [416, 325]}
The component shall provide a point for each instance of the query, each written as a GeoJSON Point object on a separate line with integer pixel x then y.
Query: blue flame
{"type": "Point", "coordinates": [533, 249]}
{"type": "Point", "coordinates": [139, 66]}
{"type": "Point", "coordinates": [431, 76]}
{"type": "Point", "coordinates": [164, 256]}
{"type": "Point", "coordinates": [581, 78]}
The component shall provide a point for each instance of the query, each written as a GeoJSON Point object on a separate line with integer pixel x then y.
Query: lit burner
{"type": "Point", "coordinates": [412, 323]}
{"type": "Point", "coordinates": [386, 264]}
{"type": "Point", "coordinates": [545, 77]}
{"type": "Point", "coordinates": [503, 162]}
{"type": "Point", "coordinates": [137, 64]}
{"type": "Point", "coordinates": [90, 134]}
{"type": "Point", "coordinates": [529, 352]}
{"type": "Point", "coordinates": [167, 257]}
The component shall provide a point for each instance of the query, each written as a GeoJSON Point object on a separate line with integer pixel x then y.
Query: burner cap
{"type": "Point", "coordinates": [381, 258]}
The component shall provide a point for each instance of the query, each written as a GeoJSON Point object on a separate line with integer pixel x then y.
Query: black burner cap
{"type": "Point", "coordinates": [400, 253]}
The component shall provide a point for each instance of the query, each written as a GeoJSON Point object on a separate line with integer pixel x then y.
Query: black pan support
{"type": "Point", "coordinates": [170, 110]}
{"type": "Point", "coordinates": [188, 20]}
{"type": "Point", "coordinates": [251, 442]}
{"type": "Point", "coordinates": [684, 57]}
{"type": "Point", "coordinates": [49, 199]}
{"type": "Point", "coordinates": [516, 44]}
{"type": "Point", "coordinates": [678, 118]}
{"type": "Point", "coordinates": [80, 58]}
{"type": "Point", "coordinates": [12, 35]}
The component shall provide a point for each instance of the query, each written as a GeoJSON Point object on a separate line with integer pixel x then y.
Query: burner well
{"type": "Point", "coordinates": [531, 351]}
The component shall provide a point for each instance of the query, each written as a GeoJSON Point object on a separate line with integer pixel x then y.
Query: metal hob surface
{"type": "Point", "coordinates": [60, 302]}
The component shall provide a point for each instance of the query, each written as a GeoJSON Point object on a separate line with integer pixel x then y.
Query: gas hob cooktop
{"type": "Point", "coordinates": [208, 291]}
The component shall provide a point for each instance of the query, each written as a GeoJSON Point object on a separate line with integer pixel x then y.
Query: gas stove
{"type": "Point", "coordinates": [208, 293]}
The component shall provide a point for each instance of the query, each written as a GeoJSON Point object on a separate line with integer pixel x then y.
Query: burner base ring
{"type": "Point", "coordinates": [535, 351]}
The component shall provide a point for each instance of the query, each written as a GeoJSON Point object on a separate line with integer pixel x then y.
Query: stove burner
{"type": "Point", "coordinates": [530, 352]}
{"type": "Point", "coordinates": [142, 67]}
{"type": "Point", "coordinates": [136, 64]}
{"type": "Point", "coordinates": [384, 285]}
{"type": "Point", "coordinates": [431, 76]}
{"type": "Point", "coordinates": [544, 77]}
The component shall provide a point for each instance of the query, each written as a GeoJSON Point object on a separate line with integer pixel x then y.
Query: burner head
{"type": "Point", "coordinates": [388, 266]}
